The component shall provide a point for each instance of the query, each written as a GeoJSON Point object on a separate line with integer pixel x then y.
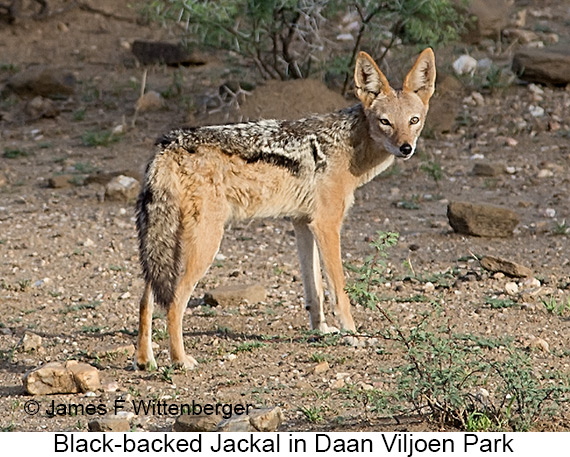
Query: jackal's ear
{"type": "Point", "coordinates": [369, 81]}
{"type": "Point", "coordinates": [421, 78]}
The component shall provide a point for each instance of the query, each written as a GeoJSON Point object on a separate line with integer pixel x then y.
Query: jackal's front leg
{"type": "Point", "coordinates": [312, 277]}
{"type": "Point", "coordinates": [327, 234]}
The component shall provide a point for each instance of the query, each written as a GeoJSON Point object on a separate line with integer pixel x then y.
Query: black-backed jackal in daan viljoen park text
{"type": "Point", "coordinates": [201, 178]}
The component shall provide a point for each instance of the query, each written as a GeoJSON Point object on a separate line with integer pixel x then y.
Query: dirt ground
{"type": "Point", "coordinates": [69, 267]}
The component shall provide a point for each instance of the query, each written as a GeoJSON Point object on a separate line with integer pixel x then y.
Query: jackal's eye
{"type": "Point", "coordinates": [385, 121]}
{"type": "Point", "coordinates": [414, 120]}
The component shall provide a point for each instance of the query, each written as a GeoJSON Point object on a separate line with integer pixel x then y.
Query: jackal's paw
{"type": "Point", "coordinates": [324, 328]}
{"type": "Point", "coordinates": [188, 363]}
{"type": "Point", "coordinates": [360, 341]}
{"type": "Point", "coordinates": [145, 364]}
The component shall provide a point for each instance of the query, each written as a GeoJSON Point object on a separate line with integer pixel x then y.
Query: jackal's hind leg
{"type": "Point", "coordinates": [200, 248]}
{"type": "Point", "coordinates": [144, 359]}
{"type": "Point", "coordinates": [312, 277]}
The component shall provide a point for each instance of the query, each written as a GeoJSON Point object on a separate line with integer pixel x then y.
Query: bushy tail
{"type": "Point", "coordinates": [159, 228]}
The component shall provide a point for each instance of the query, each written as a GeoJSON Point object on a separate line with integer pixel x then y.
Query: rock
{"type": "Point", "coordinates": [196, 423]}
{"type": "Point", "coordinates": [150, 52]}
{"type": "Point", "coordinates": [109, 424]}
{"type": "Point", "coordinates": [492, 16]}
{"type": "Point", "coordinates": [39, 107]}
{"type": "Point", "coordinates": [31, 342]}
{"type": "Point", "coordinates": [465, 65]}
{"type": "Point", "coordinates": [149, 101]}
{"type": "Point", "coordinates": [258, 420]}
{"type": "Point", "coordinates": [266, 419]}
{"type": "Point", "coordinates": [110, 351]}
{"type": "Point", "coordinates": [488, 169]}
{"type": "Point", "coordinates": [61, 181]}
{"type": "Point", "coordinates": [547, 65]}
{"type": "Point", "coordinates": [235, 295]}
{"type": "Point", "coordinates": [235, 424]}
{"type": "Point", "coordinates": [481, 219]}
{"type": "Point", "coordinates": [122, 189]}
{"type": "Point", "coordinates": [511, 288]}
{"type": "Point", "coordinates": [42, 81]}
{"type": "Point", "coordinates": [62, 378]}
{"type": "Point", "coordinates": [321, 367]}
{"type": "Point", "coordinates": [496, 264]}
{"type": "Point", "coordinates": [85, 376]}
{"type": "Point", "coordinates": [545, 173]}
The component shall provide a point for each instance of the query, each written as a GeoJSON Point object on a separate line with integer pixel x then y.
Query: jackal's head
{"type": "Point", "coordinates": [395, 117]}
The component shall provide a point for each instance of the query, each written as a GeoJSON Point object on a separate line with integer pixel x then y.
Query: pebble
{"type": "Point", "coordinates": [536, 111]}
{"type": "Point", "coordinates": [511, 288]}
{"type": "Point", "coordinates": [465, 65]}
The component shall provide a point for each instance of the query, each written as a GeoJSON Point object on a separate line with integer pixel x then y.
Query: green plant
{"type": "Point", "coordinates": [433, 170]}
{"type": "Point", "coordinates": [248, 346]}
{"type": "Point", "coordinates": [287, 38]}
{"type": "Point", "coordinates": [552, 305]}
{"type": "Point", "coordinates": [443, 374]}
{"type": "Point", "coordinates": [93, 138]}
{"type": "Point", "coordinates": [499, 303]}
{"type": "Point", "coordinates": [79, 114]}
{"type": "Point", "coordinates": [561, 228]}
{"type": "Point", "coordinates": [312, 413]}
{"type": "Point", "coordinates": [15, 153]}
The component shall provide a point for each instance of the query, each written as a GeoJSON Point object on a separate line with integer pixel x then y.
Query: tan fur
{"type": "Point", "coordinates": [202, 178]}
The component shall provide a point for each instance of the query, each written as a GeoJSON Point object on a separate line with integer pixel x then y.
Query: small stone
{"type": "Point", "coordinates": [507, 267]}
{"type": "Point", "coordinates": [511, 142]}
{"type": "Point", "coordinates": [531, 283]}
{"type": "Point", "coordinates": [321, 367]}
{"type": "Point", "coordinates": [488, 169]}
{"type": "Point", "coordinates": [544, 173]}
{"type": "Point", "coordinates": [511, 288]}
{"type": "Point", "coordinates": [196, 423]}
{"type": "Point", "coordinates": [61, 181]}
{"type": "Point", "coordinates": [125, 296]}
{"type": "Point", "coordinates": [122, 188]}
{"type": "Point", "coordinates": [266, 419]}
{"type": "Point", "coordinates": [109, 424]}
{"type": "Point", "coordinates": [465, 65]}
{"type": "Point", "coordinates": [235, 295]}
{"type": "Point", "coordinates": [89, 243]}
{"type": "Point", "coordinates": [536, 111]}
{"type": "Point", "coordinates": [338, 384]}
{"type": "Point", "coordinates": [31, 342]}
{"type": "Point", "coordinates": [428, 287]}
{"type": "Point", "coordinates": [39, 107]}
{"type": "Point", "coordinates": [128, 350]}
{"type": "Point", "coordinates": [110, 386]}
{"type": "Point", "coordinates": [481, 219]}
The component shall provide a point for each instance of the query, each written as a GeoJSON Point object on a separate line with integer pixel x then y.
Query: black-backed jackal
{"type": "Point", "coordinates": [201, 178]}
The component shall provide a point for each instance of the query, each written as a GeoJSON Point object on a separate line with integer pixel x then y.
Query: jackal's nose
{"type": "Point", "coordinates": [406, 149]}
